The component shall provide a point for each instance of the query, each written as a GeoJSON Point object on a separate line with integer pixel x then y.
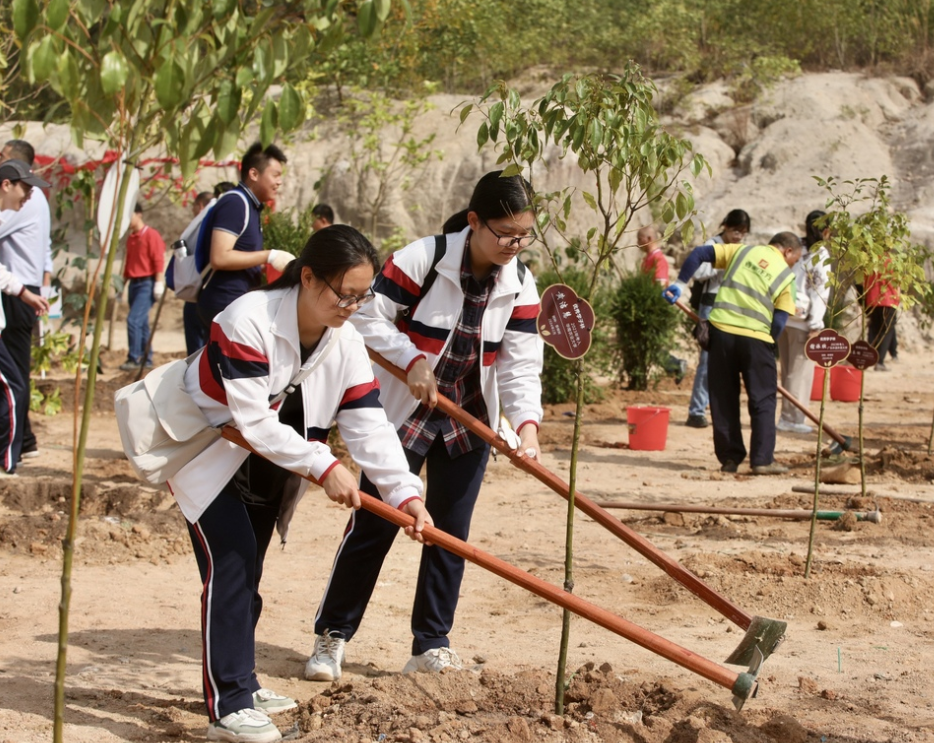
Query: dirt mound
{"type": "Point", "coordinates": [489, 707]}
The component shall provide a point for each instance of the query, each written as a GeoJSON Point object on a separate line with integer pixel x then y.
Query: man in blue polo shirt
{"type": "Point", "coordinates": [230, 239]}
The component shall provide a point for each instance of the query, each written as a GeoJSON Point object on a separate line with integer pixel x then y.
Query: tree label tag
{"type": "Point", "coordinates": [828, 348]}
{"type": "Point", "coordinates": [863, 355]}
{"type": "Point", "coordinates": [565, 321]}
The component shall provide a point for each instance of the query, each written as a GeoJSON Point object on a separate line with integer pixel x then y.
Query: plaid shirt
{"type": "Point", "coordinates": [457, 374]}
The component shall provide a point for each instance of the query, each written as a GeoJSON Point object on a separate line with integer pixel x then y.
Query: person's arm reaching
{"type": "Point", "coordinates": [700, 254]}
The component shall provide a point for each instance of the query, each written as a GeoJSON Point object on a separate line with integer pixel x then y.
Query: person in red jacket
{"type": "Point", "coordinates": [882, 301]}
{"type": "Point", "coordinates": [143, 272]}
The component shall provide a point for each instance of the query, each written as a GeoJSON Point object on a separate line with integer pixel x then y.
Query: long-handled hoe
{"type": "Point", "coordinates": [763, 635]}
{"type": "Point", "coordinates": [742, 685]}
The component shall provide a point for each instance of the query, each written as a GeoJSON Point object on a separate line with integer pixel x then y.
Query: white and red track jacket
{"type": "Point", "coordinates": [512, 349]}
{"type": "Point", "coordinates": [252, 355]}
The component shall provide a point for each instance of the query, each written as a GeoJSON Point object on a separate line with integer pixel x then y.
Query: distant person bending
{"type": "Point", "coordinates": [323, 217]}
{"type": "Point", "coordinates": [230, 239]}
{"type": "Point", "coordinates": [882, 300]}
{"type": "Point", "coordinates": [753, 304]}
{"type": "Point", "coordinates": [143, 271]}
{"type": "Point", "coordinates": [655, 264]}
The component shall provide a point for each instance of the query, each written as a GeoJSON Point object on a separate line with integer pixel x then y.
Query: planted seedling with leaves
{"type": "Point", "coordinates": [607, 126]}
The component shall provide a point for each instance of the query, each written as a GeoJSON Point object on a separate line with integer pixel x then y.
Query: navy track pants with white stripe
{"type": "Point", "coordinates": [450, 495]}
{"type": "Point", "coordinates": [14, 399]}
{"type": "Point", "coordinates": [230, 541]}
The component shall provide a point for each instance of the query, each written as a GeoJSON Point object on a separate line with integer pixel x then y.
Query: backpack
{"type": "Point", "coordinates": [182, 274]}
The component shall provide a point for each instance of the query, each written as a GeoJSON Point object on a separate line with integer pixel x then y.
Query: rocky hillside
{"type": "Point", "coordinates": [763, 155]}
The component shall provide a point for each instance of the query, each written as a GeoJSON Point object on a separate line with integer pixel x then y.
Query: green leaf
{"type": "Point", "coordinates": [25, 17]}
{"type": "Point", "coordinates": [496, 114]}
{"type": "Point", "coordinates": [366, 18]}
{"type": "Point", "coordinates": [67, 76]}
{"type": "Point", "coordinates": [511, 170]}
{"type": "Point", "coordinates": [382, 8]}
{"type": "Point", "coordinates": [42, 58]}
{"type": "Point", "coordinates": [291, 108]}
{"type": "Point", "coordinates": [222, 8]}
{"type": "Point", "coordinates": [589, 199]}
{"type": "Point", "coordinates": [57, 14]}
{"type": "Point", "coordinates": [228, 101]}
{"type": "Point", "coordinates": [465, 112]}
{"type": "Point", "coordinates": [244, 78]}
{"type": "Point", "coordinates": [261, 60]}
{"type": "Point", "coordinates": [280, 55]}
{"type": "Point", "coordinates": [227, 138]}
{"type": "Point", "coordinates": [170, 84]}
{"type": "Point", "coordinates": [268, 124]}
{"type": "Point", "coordinates": [483, 135]}
{"type": "Point", "coordinates": [668, 212]}
{"type": "Point", "coordinates": [687, 233]}
{"type": "Point", "coordinates": [92, 11]}
{"type": "Point", "coordinates": [114, 71]}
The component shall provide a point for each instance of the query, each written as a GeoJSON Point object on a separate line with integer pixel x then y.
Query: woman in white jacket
{"type": "Point", "coordinates": [232, 500]}
{"type": "Point", "coordinates": [457, 312]}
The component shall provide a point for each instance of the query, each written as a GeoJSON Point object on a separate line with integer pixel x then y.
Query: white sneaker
{"type": "Point", "coordinates": [246, 726]}
{"type": "Point", "coordinates": [266, 700]}
{"type": "Point", "coordinates": [326, 659]}
{"type": "Point", "coordinates": [433, 661]}
{"type": "Point", "coordinates": [784, 425]}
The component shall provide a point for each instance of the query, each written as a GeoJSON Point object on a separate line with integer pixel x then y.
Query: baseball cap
{"type": "Point", "coordinates": [17, 170]}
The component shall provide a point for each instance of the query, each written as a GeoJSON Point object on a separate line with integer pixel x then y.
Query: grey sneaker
{"type": "Point", "coordinates": [246, 726]}
{"type": "Point", "coordinates": [326, 658]}
{"type": "Point", "coordinates": [266, 700]}
{"type": "Point", "coordinates": [769, 469]}
{"type": "Point", "coordinates": [433, 661]}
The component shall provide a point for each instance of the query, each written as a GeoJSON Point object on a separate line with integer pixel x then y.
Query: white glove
{"type": "Point", "coordinates": [507, 434]}
{"type": "Point", "coordinates": [279, 259]}
{"type": "Point", "coordinates": [158, 289]}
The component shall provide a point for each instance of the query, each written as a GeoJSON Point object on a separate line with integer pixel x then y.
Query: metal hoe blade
{"type": "Point", "coordinates": [746, 685]}
{"type": "Point", "coordinates": [763, 636]}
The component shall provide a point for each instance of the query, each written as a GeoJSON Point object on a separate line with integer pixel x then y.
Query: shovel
{"type": "Point", "coordinates": [742, 685]}
{"type": "Point", "coordinates": [841, 443]}
{"type": "Point", "coordinates": [762, 636]}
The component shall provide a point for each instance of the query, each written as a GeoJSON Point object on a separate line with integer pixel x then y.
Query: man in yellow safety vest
{"type": "Point", "coordinates": [755, 299]}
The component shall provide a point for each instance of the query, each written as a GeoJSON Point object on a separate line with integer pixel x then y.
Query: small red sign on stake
{"type": "Point", "coordinates": [863, 355]}
{"type": "Point", "coordinates": [828, 348]}
{"type": "Point", "coordinates": [565, 321]}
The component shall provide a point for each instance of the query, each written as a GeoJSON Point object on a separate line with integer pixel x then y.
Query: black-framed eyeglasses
{"type": "Point", "coordinates": [507, 241]}
{"type": "Point", "coordinates": [346, 300]}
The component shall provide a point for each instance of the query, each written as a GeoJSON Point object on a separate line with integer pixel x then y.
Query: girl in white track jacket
{"type": "Point", "coordinates": [232, 500]}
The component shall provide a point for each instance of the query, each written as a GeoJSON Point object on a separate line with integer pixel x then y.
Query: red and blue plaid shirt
{"type": "Point", "coordinates": [457, 374]}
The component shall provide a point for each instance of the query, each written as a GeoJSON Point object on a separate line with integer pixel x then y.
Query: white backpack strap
{"type": "Point", "coordinates": [303, 373]}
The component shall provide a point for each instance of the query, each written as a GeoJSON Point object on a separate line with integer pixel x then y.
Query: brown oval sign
{"type": "Point", "coordinates": [565, 321]}
{"type": "Point", "coordinates": [827, 348]}
{"type": "Point", "coordinates": [863, 355]}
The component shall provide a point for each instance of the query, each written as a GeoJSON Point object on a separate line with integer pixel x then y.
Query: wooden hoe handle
{"type": "Point", "coordinates": [742, 685]}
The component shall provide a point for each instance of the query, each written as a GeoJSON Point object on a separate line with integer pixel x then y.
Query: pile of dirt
{"type": "Point", "coordinates": [488, 707]}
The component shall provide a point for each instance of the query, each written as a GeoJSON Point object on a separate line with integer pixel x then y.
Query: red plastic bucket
{"type": "Point", "coordinates": [648, 428]}
{"type": "Point", "coordinates": [817, 387]}
{"type": "Point", "coordinates": [844, 383]}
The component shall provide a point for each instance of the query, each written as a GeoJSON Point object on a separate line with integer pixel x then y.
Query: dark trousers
{"type": "Point", "coordinates": [17, 337]}
{"type": "Point", "coordinates": [451, 493]}
{"type": "Point", "coordinates": [230, 541]}
{"type": "Point", "coordinates": [731, 358]}
{"type": "Point", "coordinates": [14, 397]}
{"type": "Point", "coordinates": [195, 332]}
{"type": "Point", "coordinates": [882, 329]}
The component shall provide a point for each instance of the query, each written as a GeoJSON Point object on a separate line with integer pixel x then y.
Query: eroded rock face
{"type": "Point", "coordinates": [763, 157]}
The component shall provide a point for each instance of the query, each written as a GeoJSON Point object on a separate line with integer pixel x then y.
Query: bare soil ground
{"type": "Point", "coordinates": [855, 667]}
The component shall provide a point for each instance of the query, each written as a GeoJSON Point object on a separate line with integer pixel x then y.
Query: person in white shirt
{"type": "Point", "coordinates": [17, 182]}
{"type": "Point", "coordinates": [812, 280]}
{"type": "Point", "coordinates": [26, 251]}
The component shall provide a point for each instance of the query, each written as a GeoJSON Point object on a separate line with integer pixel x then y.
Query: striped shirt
{"type": "Point", "coordinates": [457, 374]}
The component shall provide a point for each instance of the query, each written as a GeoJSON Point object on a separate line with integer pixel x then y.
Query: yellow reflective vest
{"type": "Point", "coordinates": [755, 278]}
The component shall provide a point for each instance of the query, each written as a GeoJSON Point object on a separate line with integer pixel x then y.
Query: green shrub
{"type": "Point", "coordinates": [646, 327]}
{"type": "Point", "coordinates": [288, 230]}
{"type": "Point", "coordinates": [559, 383]}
